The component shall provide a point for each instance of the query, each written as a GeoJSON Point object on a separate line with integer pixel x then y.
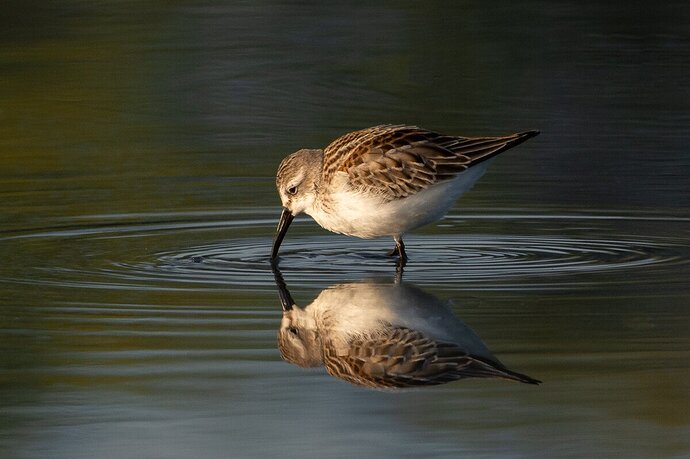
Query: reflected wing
{"type": "Point", "coordinates": [397, 161]}
{"type": "Point", "coordinates": [401, 357]}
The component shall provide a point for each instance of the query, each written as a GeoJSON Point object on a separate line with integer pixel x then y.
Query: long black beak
{"type": "Point", "coordinates": [285, 219]}
{"type": "Point", "coordinates": [286, 300]}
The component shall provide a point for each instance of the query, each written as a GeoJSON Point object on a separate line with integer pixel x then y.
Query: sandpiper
{"type": "Point", "coordinates": [384, 180]}
{"type": "Point", "coordinates": [385, 335]}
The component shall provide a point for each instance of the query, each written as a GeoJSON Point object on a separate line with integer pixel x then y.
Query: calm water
{"type": "Point", "coordinates": [138, 143]}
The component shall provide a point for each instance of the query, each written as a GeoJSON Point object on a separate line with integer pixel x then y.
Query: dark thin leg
{"type": "Point", "coordinates": [399, 250]}
{"type": "Point", "coordinates": [399, 269]}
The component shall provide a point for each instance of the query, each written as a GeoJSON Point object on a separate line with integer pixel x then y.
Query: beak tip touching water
{"type": "Point", "coordinates": [283, 224]}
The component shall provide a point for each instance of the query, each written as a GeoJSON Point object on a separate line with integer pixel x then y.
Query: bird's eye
{"type": "Point", "coordinates": [291, 190]}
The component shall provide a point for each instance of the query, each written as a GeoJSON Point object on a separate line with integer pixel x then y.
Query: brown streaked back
{"type": "Point", "coordinates": [396, 161]}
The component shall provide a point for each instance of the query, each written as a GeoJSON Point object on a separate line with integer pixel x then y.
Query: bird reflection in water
{"type": "Point", "coordinates": [385, 336]}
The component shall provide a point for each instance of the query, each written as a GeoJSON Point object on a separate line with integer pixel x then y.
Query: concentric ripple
{"type": "Point", "coordinates": [535, 251]}
{"type": "Point", "coordinates": [439, 259]}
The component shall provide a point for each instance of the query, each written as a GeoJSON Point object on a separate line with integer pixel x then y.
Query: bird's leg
{"type": "Point", "coordinates": [399, 249]}
{"type": "Point", "coordinates": [399, 268]}
{"type": "Point", "coordinates": [396, 250]}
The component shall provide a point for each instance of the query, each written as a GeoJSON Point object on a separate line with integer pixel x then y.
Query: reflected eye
{"type": "Point", "coordinates": [291, 190]}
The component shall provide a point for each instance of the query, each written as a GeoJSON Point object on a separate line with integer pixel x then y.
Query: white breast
{"type": "Point", "coordinates": [367, 216]}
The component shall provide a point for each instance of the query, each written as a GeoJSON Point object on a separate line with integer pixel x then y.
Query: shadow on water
{"type": "Point", "coordinates": [384, 335]}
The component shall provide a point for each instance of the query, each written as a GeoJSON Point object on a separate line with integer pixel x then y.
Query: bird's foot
{"type": "Point", "coordinates": [399, 251]}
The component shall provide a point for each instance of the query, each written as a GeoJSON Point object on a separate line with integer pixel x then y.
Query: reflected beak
{"type": "Point", "coordinates": [285, 219]}
{"type": "Point", "coordinates": [286, 300]}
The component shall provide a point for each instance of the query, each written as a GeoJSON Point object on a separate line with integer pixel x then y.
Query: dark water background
{"type": "Point", "coordinates": [138, 143]}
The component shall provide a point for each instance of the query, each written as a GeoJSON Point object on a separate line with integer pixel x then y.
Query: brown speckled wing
{"type": "Point", "coordinates": [396, 161]}
{"type": "Point", "coordinates": [399, 357]}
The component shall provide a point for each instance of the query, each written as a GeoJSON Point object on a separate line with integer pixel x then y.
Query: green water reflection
{"type": "Point", "coordinates": [135, 136]}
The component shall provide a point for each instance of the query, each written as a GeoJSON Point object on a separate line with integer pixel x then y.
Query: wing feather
{"type": "Point", "coordinates": [398, 357]}
{"type": "Point", "coordinates": [396, 161]}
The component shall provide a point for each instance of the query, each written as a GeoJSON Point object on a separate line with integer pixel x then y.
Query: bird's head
{"type": "Point", "coordinates": [298, 339]}
{"type": "Point", "coordinates": [297, 180]}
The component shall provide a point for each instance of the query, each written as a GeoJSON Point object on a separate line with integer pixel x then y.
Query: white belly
{"type": "Point", "coordinates": [366, 216]}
